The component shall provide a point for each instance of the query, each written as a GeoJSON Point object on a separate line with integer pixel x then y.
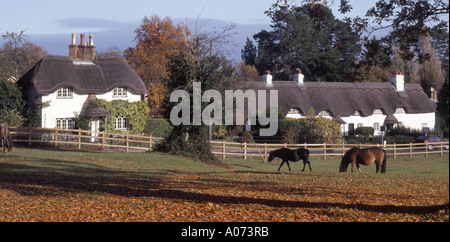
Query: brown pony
{"type": "Point", "coordinates": [5, 138]}
{"type": "Point", "coordinates": [365, 157]}
{"type": "Point", "coordinates": [287, 155]}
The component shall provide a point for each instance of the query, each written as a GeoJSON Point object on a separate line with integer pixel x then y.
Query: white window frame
{"type": "Point", "coordinates": [120, 123]}
{"type": "Point", "coordinates": [64, 93]}
{"type": "Point", "coordinates": [120, 92]}
{"type": "Point", "coordinates": [65, 123]}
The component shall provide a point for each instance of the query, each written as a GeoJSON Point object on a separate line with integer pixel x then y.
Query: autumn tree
{"type": "Point", "coordinates": [18, 55]}
{"type": "Point", "coordinates": [156, 39]}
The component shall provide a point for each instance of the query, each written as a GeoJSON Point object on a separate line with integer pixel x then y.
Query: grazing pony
{"type": "Point", "coordinates": [5, 138]}
{"type": "Point", "coordinates": [365, 157]}
{"type": "Point", "coordinates": [287, 155]}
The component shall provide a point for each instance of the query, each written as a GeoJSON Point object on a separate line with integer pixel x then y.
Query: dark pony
{"type": "Point", "coordinates": [365, 157]}
{"type": "Point", "coordinates": [287, 155]}
{"type": "Point", "coordinates": [6, 140]}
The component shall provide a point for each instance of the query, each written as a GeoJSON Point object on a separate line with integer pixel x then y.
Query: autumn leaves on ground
{"type": "Point", "coordinates": [54, 185]}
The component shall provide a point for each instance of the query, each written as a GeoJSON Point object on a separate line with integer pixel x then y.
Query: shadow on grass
{"type": "Point", "coordinates": [52, 177]}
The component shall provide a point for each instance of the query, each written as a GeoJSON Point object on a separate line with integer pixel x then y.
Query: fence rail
{"type": "Point", "coordinates": [224, 149]}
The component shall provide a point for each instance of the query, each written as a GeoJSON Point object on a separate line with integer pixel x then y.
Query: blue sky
{"type": "Point", "coordinates": [49, 23]}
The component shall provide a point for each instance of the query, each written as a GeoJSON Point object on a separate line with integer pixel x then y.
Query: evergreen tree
{"type": "Point", "coordinates": [248, 54]}
{"type": "Point", "coordinates": [309, 38]}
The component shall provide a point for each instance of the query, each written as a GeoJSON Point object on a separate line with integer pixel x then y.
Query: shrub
{"type": "Point", "coordinates": [158, 127]}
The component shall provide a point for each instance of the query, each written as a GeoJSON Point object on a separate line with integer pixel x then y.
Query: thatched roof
{"type": "Point", "coordinates": [101, 75]}
{"type": "Point", "coordinates": [344, 99]}
{"type": "Point", "coordinates": [93, 111]}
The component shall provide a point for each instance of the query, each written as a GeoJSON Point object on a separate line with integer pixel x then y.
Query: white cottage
{"type": "Point", "coordinates": [353, 105]}
{"type": "Point", "coordinates": [70, 83]}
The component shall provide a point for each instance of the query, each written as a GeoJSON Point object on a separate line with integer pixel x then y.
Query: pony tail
{"type": "Point", "coordinates": [383, 166]}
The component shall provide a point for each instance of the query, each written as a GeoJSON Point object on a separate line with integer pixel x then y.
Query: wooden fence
{"type": "Point", "coordinates": [83, 138]}
{"type": "Point", "coordinates": [127, 142]}
{"type": "Point", "coordinates": [261, 151]}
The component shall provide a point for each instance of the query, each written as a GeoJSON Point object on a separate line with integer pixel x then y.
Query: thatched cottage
{"type": "Point", "coordinates": [353, 104]}
{"type": "Point", "coordinates": [70, 83]}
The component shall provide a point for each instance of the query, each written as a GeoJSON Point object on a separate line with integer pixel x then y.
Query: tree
{"type": "Point", "coordinates": [248, 54]}
{"type": "Point", "coordinates": [310, 38]}
{"type": "Point", "coordinates": [197, 64]}
{"type": "Point", "coordinates": [156, 39]}
{"type": "Point", "coordinates": [18, 55]}
{"type": "Point", "coordinates": [433, 77]}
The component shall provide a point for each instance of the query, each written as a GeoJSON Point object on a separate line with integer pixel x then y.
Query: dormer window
{"type": "Point", "coordinates": [64, 93]}
{"type": "Point", "coordinates": [119, 92]}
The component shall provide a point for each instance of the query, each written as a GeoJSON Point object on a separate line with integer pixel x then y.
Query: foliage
{"type": "Point", "coordinates": [310, 38]}
{"type": "Point", "coordinates": [247, 73]}
{"type": "Point", "coordinates": [156, 39]}
{"type": "Point", "coordinates": [11, 117]}
{"type": "Point", "coordinates": [320, 130]}
{"type": "Point", "coordinates": [10, 96]}
{"type": "Point", "coordinates": [52, 185]}
{"type": "Point", "coordinates": [219, 132]}
{"type": "Point", "coordinates": [18, 55]}
{"type": "Point", "coordinates": [365, 131]}
{"type": "Point", "coordinates": [136, 113]}
{"type": "Point", "coordinates": [248, 54]}
{"type": "Point", "coordinates": [158, 127]}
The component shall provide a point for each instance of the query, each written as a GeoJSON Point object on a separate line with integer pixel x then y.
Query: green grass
{"type": "Point", "coordinates": [148, 162]}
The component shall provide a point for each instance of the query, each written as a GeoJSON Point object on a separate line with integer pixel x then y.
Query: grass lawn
{"type": "Point", "coordinates": [58, 185]}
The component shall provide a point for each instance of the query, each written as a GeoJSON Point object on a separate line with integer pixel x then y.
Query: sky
{"type": "Point", "coordinates": [50, 23]}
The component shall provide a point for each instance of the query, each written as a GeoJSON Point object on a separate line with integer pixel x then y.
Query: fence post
{"type": "Point", "coordinates": [324, 151]}
{"type": "Point", "coordinates": [128, 142]}
{"type": "Point", "coordinates": [442, 148]}
{"type": "Point", "coordinates": [79, 138]}
{"type": "Point", "coordinates": [224, 149]}
{"type": "Point", "coordinates": [56, 137]}
{"type": "Point", "coordinates": [29, 136]}
{"type": "Point", "coordinates": [150, 147]}
{"type": "Point", "coordinates": [395, 152]}
{"type": "Point", "coordinates": [410, 151]}
{"type": "Point", "coordinates": [265, 152]}
{"type": "Point", "coordinates": [245, 150]}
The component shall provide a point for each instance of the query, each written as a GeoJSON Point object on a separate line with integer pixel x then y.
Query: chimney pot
{"type": "Point", "coordinates": [82, 40]}
{"type": "Point", "coordinates": [74, 39]}
{"type": "Point", "coordinates": [91, 39]}
{"type": "Point", "coordinates": [399, 81]}
{"type": "Point", "coordinates": [267, 78]}
{"type": "Point", "coordinates": [298, 76]}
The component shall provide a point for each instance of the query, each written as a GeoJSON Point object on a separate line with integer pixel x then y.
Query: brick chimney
{"type": "Point", "coordinates": [73, 48]}
{"type": "Point", "coordinates": [267, 78]}
{"type": "Point", "coordinates": [82, 50]}
{"type": "Point", "coordinates": [399, 81]}
{"type": "Point", "coordinates": [298, 76]}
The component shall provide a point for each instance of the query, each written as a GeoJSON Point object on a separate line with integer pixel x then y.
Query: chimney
{"type": "Point", "coordinates": [298, 76]}
{"type": "Point", "coordinates": [399, 81]}
{"type": "Point", "coordinates": [433, 94]}
{"type": "Point", "coordinates": [90, 48]}
{"type": "Point", "coordinates": [73, 48]}
{"type": "Point", "coordinates": [82, 49]}
{"type": "Point", "coordinates": [267, 78]}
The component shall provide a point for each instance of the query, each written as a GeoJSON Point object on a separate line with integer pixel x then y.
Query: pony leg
{"type": "Point", "coordinates": [287, 162]}
{"type": "Point", "coordinates": [282, 163]}
{"type": "Point", "coordinates": [378, 167]}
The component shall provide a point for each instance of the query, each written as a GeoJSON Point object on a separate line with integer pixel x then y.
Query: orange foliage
{"type": "Point", "coordinates": [156, 39]}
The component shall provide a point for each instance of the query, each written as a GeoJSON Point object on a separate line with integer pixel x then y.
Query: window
{"type": "Point", "coordinates": [376, 126]}
{"type": "Point", "coordinates": [359, 125]}
{"type": "Point", "coordinates": [65, 93]}
{"type": "Point", "coordinates": [377, 111]}
{"type": "Point", "coordinates": [120, 123]}
{"type": "Point", "coordinates": [65, 123]}
{"type": "Point", "coordinates": [351, 129]}
{"type": "Point", "coordinates": [324, 113]}
{"type": "Point", "coordinates": [399, 111]}
{"type": "Point", "coordinates": [120, 92]}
